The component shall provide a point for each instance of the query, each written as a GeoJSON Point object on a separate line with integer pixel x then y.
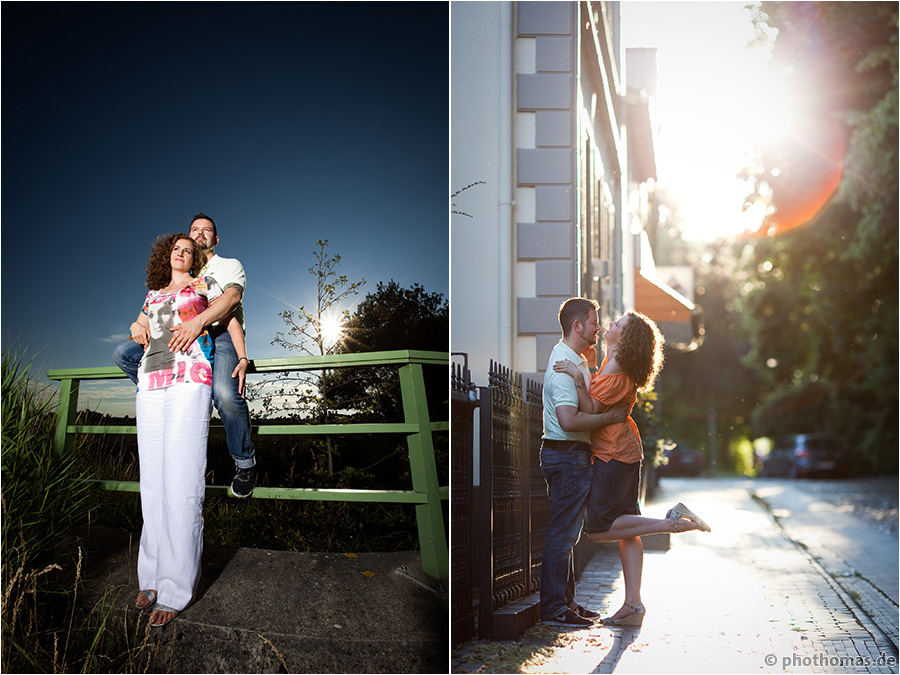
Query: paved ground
{"type": "Point", "coordinates": [259, 611]}
{"type": "Point", "coordinates": [849, 528]}
{"type": "Point", "coordinates": [871, 498]}
{"type": "Point", "coordinates": [742, 599]}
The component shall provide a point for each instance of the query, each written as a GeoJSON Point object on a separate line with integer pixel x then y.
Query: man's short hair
{"type": "Point", "coordinates": [575, 309]}
{"type": "Point", "coordinates": [205, 217]}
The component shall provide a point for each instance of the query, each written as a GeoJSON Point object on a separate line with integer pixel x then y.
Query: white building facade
{"type": "Point", "coordinates": [540, 119]}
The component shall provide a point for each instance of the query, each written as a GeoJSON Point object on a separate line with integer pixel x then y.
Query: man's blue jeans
{"type": "Point", "coordinates": [232, 408]}
{"type": "Point", "coordinates": [568, 475]}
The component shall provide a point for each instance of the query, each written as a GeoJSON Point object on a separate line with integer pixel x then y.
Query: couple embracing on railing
{"type": "Point", "coordinates": [186, 352]}
{"type": "Point", "coordinates": [591, 457]}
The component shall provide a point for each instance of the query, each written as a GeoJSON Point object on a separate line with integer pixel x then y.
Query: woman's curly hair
{"type": "Point", "coordinates": [640, 352]}
{"type": "Point", "coordinates": [159, 267]}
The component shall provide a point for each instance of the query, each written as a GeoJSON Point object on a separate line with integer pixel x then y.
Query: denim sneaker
{"type": "Point", "coordinates": [242, 485]}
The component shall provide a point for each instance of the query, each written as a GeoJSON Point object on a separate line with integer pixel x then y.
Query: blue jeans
{"type": "Point", "coordinates": [232, 408]}
{"type": "Point", "coordinates": [568, 475]}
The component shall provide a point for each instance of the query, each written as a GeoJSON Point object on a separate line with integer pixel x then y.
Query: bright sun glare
{"type": "Point", "coordinates": [331, 329]}
{"type": "Point", "coordinates": [715, 101]}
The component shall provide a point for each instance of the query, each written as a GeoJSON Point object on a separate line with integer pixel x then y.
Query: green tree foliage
{"type": "Point", "coordinates": [388, 319]}
{"type": "Point", "coordinates": [820, 301]}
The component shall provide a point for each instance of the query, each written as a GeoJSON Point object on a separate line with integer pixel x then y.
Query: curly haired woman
{"type": "Point", "coordinates": [174, 401]}
{"type": "Point", "coordinates": [633, 360]}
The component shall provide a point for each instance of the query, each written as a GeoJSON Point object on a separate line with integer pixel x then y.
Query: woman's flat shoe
{"type": "Point", "coordinates": [150, 595]}
{"type": "Point", "coordinates": [681, 511]}
{"type": "Point", "coordinates": [636, 618]}
{"type": "Point", "coordinates": [163, 608]}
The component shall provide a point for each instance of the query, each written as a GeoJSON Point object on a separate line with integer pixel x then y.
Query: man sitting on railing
{"type": "Point", "coordinates": [227, 391]}
{"type": "Point", "coordinates": [566, 464]}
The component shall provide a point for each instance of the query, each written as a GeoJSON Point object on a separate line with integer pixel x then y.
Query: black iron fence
{"type": "Point", "coordinates": [498, 526]}
{"type": "Point", "coordinates": [463, 404]}
{"type": "Point", "coordinates": [538, 503]}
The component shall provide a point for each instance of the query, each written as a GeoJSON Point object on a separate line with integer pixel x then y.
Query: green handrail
{"type": "Point", "coordinates": [426, 494]}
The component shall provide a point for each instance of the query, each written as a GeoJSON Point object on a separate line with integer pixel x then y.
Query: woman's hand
{"type": "Point", "coordinates": [240, 372]}
{"type": "Point", "coordinates": [139, 334]}
{"type": "Point", "coordinates": [568, 367]}
{"type": "Point", "coordinates": [618, 413]}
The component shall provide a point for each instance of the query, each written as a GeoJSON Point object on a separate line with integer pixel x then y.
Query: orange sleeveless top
{"type": "Point", "coordinates": [619, 441]}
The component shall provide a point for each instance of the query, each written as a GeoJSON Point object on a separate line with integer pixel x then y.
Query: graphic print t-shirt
{"type": "Point", "coordinates": [162, 368]}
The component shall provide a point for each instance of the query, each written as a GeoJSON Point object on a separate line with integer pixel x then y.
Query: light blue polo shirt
{"type": "Point", "coordinates": [559, 389]}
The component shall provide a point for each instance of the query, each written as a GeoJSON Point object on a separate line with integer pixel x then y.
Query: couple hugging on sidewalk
{"type": "Point", "coordinates": [591, 457]}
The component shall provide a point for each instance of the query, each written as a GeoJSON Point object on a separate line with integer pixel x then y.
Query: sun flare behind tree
{"type": "Point", "coordinates": [332, 330]}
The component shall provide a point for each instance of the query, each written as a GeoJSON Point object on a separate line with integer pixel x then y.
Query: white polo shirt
{"type": "Point", "coordinates": [559, 389]}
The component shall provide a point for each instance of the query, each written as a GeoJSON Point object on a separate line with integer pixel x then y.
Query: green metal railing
{"type": "Point", "coordinates": [426, 493]}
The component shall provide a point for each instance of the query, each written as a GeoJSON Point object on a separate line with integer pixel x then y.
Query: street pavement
{"type": "Point", "coordinates": [745, 598]}
{"type": "Point", "coordinates": [861, 557]}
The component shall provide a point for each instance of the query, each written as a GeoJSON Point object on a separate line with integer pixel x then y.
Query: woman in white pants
{"type": "Point", "coordinates": [174, 401]}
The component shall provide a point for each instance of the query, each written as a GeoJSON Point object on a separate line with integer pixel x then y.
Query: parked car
{"type": "Point", "coordinates": [806, 455]}
{"type": "Point", "coordinates": [682, 460]}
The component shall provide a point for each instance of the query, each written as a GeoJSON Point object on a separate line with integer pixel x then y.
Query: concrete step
{"type": "Point", "coordinates": [261, 611]}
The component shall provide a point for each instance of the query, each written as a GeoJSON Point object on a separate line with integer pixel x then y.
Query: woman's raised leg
{"type": "Point", "coordinates": [629, 526]}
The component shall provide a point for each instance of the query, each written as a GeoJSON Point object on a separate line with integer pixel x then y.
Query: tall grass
{"type": "Point", "coordinates": [46, 630]}
{"type": "Point", "coordinates": [43, 627]}
{"type": "Point", "coordinates": [43, 497]}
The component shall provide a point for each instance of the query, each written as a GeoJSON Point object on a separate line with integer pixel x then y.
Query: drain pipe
{"type": "Point", "coordinates": [505, 285]}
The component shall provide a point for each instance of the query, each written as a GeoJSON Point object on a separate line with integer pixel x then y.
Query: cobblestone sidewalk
{"type": "Point", "coordinates": [742, 599]}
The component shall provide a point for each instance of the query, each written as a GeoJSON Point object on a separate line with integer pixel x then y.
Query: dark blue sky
{"type": "Point", "coordinates": [286, 122]}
